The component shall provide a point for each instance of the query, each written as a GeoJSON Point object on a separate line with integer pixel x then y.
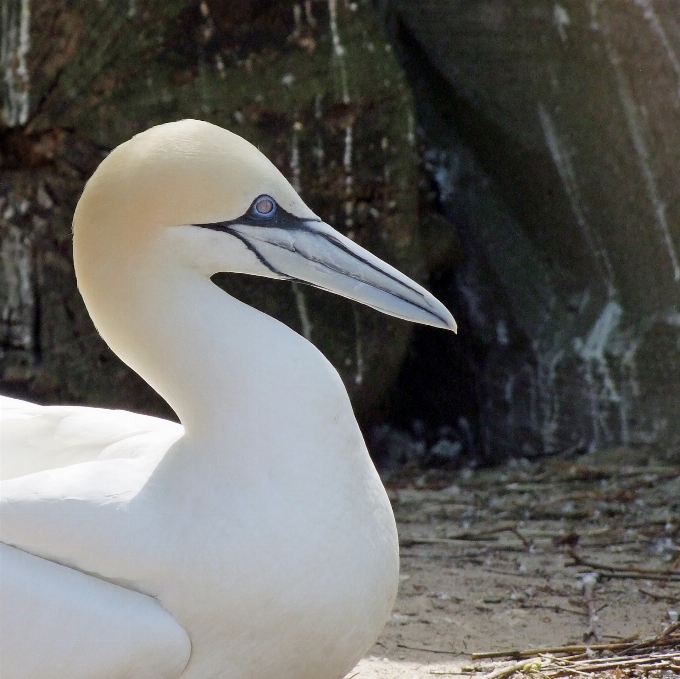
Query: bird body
{"type": "Point", "coordinates": [255, 539]}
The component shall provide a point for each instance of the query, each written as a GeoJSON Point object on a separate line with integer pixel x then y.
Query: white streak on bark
{"type": "Point", "coordinates": [300, 299]}
{"type": "Point", "coordinates": [297, 16]}
{"type": "Point", "coordinates": [410, 129]}
{"type": "Point", "coordinates": [308, 13]}
{"type": "Point", "coordinates": [561, 20]}
{"type": "Point", "coordinates": [359, 349]}
{"type": "Point", "coordinates": [338, 49]}
{"type": "Point", "coordinates": [635, 129]}
{"type": "Point", "coordinates": [602, 392]}
{"type": "Point", "coordinates": [15, 20]}
{"type": "Point", "coordinates": [16, 312]}
{"type": "Point", "coordinates": [303, 312]}
{"type": "Point", "coordinates": [339, 54]}
{"type": "Point", "coordinates": [562, 160]}
{"type": "Point", "coordinates": [347, 159]}
{"type": "Point", "coordinates": [319, 152]}
{"type": "Point", "coordinates": [548, 397]}
{"type": "Point", "coordinates": [651, 16]}
{"type": "Point", "coordinates": [295, 157]}
{"type": "Point", "coordinates": [349, 177]}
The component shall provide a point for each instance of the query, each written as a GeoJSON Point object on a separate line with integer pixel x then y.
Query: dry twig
{"type": "Point", "coordinates": [643, 655]}
{"type": "Point", "coordinates": [520, 666]}
{"type": "Point", "coordinates": [517, 653]}
{"type": "Point", "coordinates": [635, 570]}
{"type": "Point", "coordinates": [428, 650]}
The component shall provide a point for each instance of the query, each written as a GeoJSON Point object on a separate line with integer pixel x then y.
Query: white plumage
{"type": "Point", "coordinates": [255, 540]}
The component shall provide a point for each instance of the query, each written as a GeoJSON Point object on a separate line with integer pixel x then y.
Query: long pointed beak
{"type": "Point", "coordinates": [312, 252]}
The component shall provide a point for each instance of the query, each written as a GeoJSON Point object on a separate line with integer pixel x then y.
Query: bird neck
{"type": "Point", "coordinates": [237, 378]}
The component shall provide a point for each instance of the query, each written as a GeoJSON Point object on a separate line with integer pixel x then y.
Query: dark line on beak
{"type": "Point", "coordinates": [337, 243]}
{"type": "Point", "coordinates": [384, 311]}
{"type": "Point", "coordinates": [332, 239]}
{"type": "Point", "coordinates": [288, 222]}
{"type": "Point", "coordinates": [262, 259]}
{"type": "Point", "coordinates": [343, 272]}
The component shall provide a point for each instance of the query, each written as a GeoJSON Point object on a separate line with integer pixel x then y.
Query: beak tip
{"type": "Point", "coordinates": [448, 322]}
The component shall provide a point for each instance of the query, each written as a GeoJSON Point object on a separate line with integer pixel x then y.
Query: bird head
{"type": "Point", "coordinates": [208, 200]}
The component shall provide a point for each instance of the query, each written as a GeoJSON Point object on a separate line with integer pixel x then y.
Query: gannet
{"type": "Point", "coordinates": [255, 540]}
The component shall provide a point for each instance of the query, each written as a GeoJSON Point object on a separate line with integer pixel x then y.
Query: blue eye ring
{"type": "Point", "coordinates": [263, 207]}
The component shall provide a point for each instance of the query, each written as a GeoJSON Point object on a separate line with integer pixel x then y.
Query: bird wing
{"type": "Point", "coordinates": [57, 622]}
{"type": "Point", "coordinates": [35, 438]}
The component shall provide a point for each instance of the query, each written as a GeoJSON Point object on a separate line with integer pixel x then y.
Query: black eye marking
{"type": "Point", "coordinates": [263, 213]}
{"type": "Point", "coordinates": [263, 207]}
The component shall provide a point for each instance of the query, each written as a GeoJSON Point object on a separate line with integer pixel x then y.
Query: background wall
{"type": "Point", "coordinates": [520, 155]}
{"type": "Point", "coordinates": [551, 133]}
{"type": "Point", "coordinates": [313, 84]}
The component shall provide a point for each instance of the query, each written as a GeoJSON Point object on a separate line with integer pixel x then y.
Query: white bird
{"type": "Point", "coordinates": [254, 540]}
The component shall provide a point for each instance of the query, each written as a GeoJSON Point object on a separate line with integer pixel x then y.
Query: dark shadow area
{"type": "Point", "coordinates": [434, 413]}
{"type": "Point", "coordinates": [451, 387]}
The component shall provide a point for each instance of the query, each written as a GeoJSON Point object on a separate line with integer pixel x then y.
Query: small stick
{"type": "Point", "coordinates": [589, 581]}
{"type": "Point", "coordinates": [527, 543]}
{"type": "Point", "coordinates": [580, 561]}
{"type": "Point", "coordinates": [555, 649]}
{"type": "Point", "coordinates": [498, 571]}
{"type": "Point", "coordinates": [671, 629]}
{"type": "Point", "coordinates": [596, 662]}
{"type": "Point", "coordinates": [518, 666]}
{"type": "Point", "coordinates": [670, 577]}
{"type": "Point", "coordinates": [483, 535]}
{"type": "Point", "coordinates": [429, 650]}
{"type": "Point", "coordinates": [587, 670]}
{"type": "Point", "coordinates": [409, 542]}
{"type": "Point", "coordinates": [650, 644]}
{"type": "Point", "coordinates": [555, 609]}
{"type": "Point", "coordinates": [567, 453]}
{"type": "Point", "coordinates": [560, 666]}
{"type": "Point", "coordinates": [659, 597]}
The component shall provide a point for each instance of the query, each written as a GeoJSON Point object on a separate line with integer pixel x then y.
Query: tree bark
{"type": "Point", "coordinates": [554, 141]}
{"type": "Point", "coordinates": [313, 84]}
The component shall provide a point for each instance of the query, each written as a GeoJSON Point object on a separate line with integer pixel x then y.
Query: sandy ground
{"type": "Point", "coordinates": [530, 555]}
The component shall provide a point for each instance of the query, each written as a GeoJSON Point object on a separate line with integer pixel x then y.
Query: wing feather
{"type": "Point", "coordinates": [56, 622]}
{"type": "Point", "coordinates": [35, 438]}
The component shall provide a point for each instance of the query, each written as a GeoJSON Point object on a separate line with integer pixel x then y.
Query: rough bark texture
{"type": "Point", "coordinates": [313, 84]}
{"type": "Point", "coordinates": [553, 141]}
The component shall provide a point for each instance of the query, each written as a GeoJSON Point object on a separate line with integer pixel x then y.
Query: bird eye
{"type": "Point", "coordinates": [263, 207]}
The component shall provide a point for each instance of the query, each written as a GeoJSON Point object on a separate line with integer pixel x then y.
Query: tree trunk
{"type": "Point", "coordinates": [554, 141]}
{"type": "Point", "coordinates": [312, 84]}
